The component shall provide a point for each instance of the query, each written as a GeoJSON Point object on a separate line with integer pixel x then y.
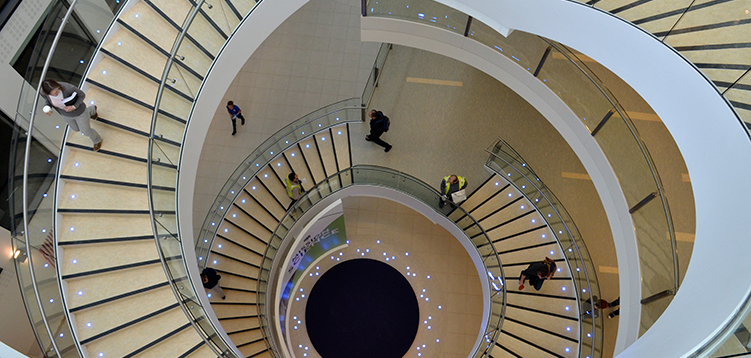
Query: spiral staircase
{"type": "Point", "coordinates": [116, 289]}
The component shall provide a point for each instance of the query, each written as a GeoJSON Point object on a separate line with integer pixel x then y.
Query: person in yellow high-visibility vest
{"type": "Point", "coordinates": [451, 184]}
{"type": "Point", "coordinates": [294, 188]}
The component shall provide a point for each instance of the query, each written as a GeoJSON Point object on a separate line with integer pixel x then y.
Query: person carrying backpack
{"type": "Point", "coordinates": [379, 124]}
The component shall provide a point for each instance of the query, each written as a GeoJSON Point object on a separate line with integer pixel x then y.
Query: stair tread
{"type": "Point", "coordinates": [91, 227]}
{"type": "Point", "coordinates": [326, 150]}
{"type": "Point", "coordinates": [340, 137]}
{"type": "Point", "coordinates": [131, 48]}
{"type": "Point", "coordinates": [110, 284]}
{"type": "Point", "coordinates": [115, 140]}
{"type": "Point", "coordinates": [119, 312]}
{"type": "Point", "coordinates": [121, 110]}
{"type": "Point", "coordinates": [311, 156]}
{"type": "Point", "coordinates": [174, 346]}
{"type": "Point", "coordinates": [150, 24]}
{"type": "Point", "coordinates": [93, 196]}
{"type": "Point", "coordinates": [130, 339]}
{"type": "Point", "coordinates": [101, 256]}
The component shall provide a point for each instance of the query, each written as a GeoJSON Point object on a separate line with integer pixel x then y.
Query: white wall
{"type": "Point", "coordinates": [711, 139]}
{"type": "Point", "coordinates": [430, 38]}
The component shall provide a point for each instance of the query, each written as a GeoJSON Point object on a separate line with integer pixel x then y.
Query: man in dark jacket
{"type": "Point", "coordinates": [210, 280]}
{"type": "Point", "coordinates": [377, 124]}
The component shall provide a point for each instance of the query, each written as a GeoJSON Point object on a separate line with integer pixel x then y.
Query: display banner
{"type": "Point", "coordinates": [326, 232]}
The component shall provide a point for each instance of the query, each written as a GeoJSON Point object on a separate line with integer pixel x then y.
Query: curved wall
{"type": "Point", "coordinates": [711, 138]}
{"type": "Point", "coordinates": [545, 101]}
{"type": "Point", "coordinates": [682, 97]}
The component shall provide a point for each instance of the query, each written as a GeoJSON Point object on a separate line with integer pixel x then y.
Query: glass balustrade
{"type": "Point", "coordinates": [566, 75]}
{"type": "Point", "coordinates": [205, 29]}
{"type": "Point", "coordinates": [507, 163]}
{"type": "Point", "coordinates": [35, 151]}
{"type": "Point", "coordinates": [404, 183]}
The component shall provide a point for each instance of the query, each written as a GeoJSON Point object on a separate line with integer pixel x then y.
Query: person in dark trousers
{"type": "Point", "coordinates": [294, 188]}
{"type": "Point", "coordinates": [537, 273]}
{"type": "Point", "coordinates": [450, 185]}
{"type": "Point", "coordinates": [235, 112]}
{"type": "Point", "coordinates": [377, 125]}
{"type": "Point", "coordinates": [67, 100]}
{"type": "Point", "coordinates": [617, 311]}
{"type": "Point", "coordinates": [210, 280]}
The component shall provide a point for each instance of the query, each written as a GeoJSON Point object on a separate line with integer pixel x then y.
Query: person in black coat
{"type": "Point", "coordinates": [210, 280]}
{"type": "Point", "coordinates": [537, 273]}
{"type": "Point", "coordinates": [377, 123]}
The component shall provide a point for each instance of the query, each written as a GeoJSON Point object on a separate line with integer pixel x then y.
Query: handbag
{"type": "Point", "coordinates": [459, 196]}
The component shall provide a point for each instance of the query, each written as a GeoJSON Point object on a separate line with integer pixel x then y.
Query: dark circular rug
{"type": "Point", "coordinates": [362, 308]}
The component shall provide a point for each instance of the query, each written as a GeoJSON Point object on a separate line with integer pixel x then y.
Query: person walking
{"type": "Point", "coordinates": [68, 101]}
{"type": "Point", "coordinates": [378, 125]}
{"type": "Point", "coordinates": [450, 185]}
{"type": "Point", "coordinates": [617, 311]}
{"type": "Point", "coordinates": [235, 112]}
{"type": "Point", "coordinates": [537, 273]}
{"type": "Point", "coordinates": [210, 280]}
{"type": "Point", "coordinates": [294, 188]}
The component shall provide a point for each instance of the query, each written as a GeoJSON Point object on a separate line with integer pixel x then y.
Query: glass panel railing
{"type": "Point", "coordinates": [430, 13]}
{"type": "Point", "coordinates": [347, 111]}
{"type": "Point", "coordinates": [375, 74]}
{"type": "Point", "coordinates": [379, 176]}
{"type": "Point", "coordinates": [194, 50]}
{"type": "Point", "coordinates": [76, 27]}
{"type": "Point", "coordinates": [588, 97]}
{"type": "Point", "coordinates": [507, 163]}
{"type": "Point", "coordinates": [739, 95]}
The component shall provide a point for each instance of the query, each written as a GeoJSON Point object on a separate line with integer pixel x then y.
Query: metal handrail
{"type": "Point", "coordinates": [25, 190]}
{"type": "Point", "coordinates": [206, 238]}
{"type": "Point", "coordinates": [569, 226]}
{"type": "Point", "coordinates": [489, 338]}
{"type": "Point", "coordinates": [162, 258]}
{"type": "Point", "coordinates": [635, 133]}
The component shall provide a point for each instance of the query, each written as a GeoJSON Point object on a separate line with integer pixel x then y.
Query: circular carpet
{"type": "Point", "coordinates": [362, 308]}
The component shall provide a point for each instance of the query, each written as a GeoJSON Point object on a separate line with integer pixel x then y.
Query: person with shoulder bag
{"type": "Point", "coordinates": [68, 101]}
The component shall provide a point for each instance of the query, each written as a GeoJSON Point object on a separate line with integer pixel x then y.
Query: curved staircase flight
{"type": "Point", "coordinates": [237, 252]}
{"type": "Point", "coordinates": [117, 292]}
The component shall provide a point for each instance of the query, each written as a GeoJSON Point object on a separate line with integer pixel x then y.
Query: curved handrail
{"type": "Point", "coordinates": [304, 127]}
{"type": "Point", "coordinates": [165, 230]}
{"type": "Point", "coordinates": [679, 54]}
{"type": "Point", "coordinates": [406, 184]}
{"type": "Point", "coordinates": [44, 218]}
{"type": "Point", "coordinates": [508, 164]}
{"type": "Point", "coordinates": [594, 105]}
{"type": "Point", "coordinates": [27, 155]}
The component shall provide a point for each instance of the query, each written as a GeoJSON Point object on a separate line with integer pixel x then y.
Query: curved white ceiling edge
{"type": "Point", "coordinates": [246, 39]}
{"type": "Point", "coordinates": [545, 101]}
{"type": "Point", "coordinates": [713, 142]}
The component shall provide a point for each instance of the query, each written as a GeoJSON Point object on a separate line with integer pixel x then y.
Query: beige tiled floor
{"type": "Point", "coordinates": [443, 274]}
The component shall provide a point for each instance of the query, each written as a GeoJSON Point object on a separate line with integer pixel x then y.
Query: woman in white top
{"type": "Point", "coordinates": [68, 100]}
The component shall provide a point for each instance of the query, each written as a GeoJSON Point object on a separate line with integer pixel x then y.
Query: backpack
{"type": "Point", "coordinates": [386, 121]}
